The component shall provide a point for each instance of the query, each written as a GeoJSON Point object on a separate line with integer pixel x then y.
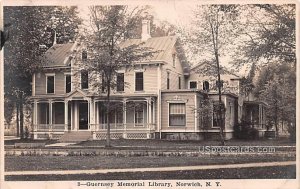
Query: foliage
{"type": "Point", "coordinates": [30, 29]}
{"type": "Point", "coordinates": [214, 29]}
{"type": "Point", "coordinates": [276, 86]}
{"type": "Point", "coordinates": [267, 34]}
{"type": "Point", "coordinates": [111, 26]}
{"type": "Point", "coordinates": [245, 130]}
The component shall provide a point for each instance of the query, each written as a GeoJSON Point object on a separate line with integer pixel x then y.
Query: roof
{"type": "Point", "coordinates": [163, 46]}
{"type": "Point", "coordinates": [223, 70]}
{"type": "Point", "coordinates": [57, 54]}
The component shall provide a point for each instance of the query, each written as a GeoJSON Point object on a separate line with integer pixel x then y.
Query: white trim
{"type": "Point", "coordinates": [190, 84]}
{"type": "Point", "coordinates": [49, 75]}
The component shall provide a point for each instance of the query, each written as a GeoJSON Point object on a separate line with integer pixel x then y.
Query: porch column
{"type": "Point", "coordinates": [91, 114]}
{"type": "Point", "coordinates": [150, 113]}
{"type": "Point", "coordinates": [124, 117]}
{"type": "Point", "coordinates": [35, 119]}
{"type": "Point", "coordinates": [35, 115]}
{"type": "Point", "coordinates": [50, 118]}
{"type": "Point", "coordinates": [97, 116]}
{"type": "Point", "coordinates": [66, 115]}
{"type": "Point", "coordinates": [259, 115]}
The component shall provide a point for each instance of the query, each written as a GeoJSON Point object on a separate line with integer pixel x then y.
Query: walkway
{"type": "Point", "coordinates": [152, 169]}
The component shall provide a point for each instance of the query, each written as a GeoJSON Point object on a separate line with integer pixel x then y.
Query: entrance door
{"type": "Point", "coordinates": [83, 115]}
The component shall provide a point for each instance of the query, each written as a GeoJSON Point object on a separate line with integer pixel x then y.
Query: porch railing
{"type": "Point", "coordinates": [49, 127]}
{"type": "Point", "coordinates": [122, 127]}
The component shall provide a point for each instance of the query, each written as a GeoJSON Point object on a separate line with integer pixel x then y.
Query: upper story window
{"type": "Point", "coordinates": [174, 59]}
{"type": "Point", "coordinates": [139, 81]}
{"type": "Point", "coordinates": [84, 55]}
{"type": "Point", "coordinates": [179, 82]}
{"type": "Point", "coordinates": [50, 83]}
{"type": "Point", "coordinates": [103, 85]}
{"type": "Point", "coordinates": [206, 86]}
{"type": "Point", "coordinates": [177, 114]}
{"type": "Point", "coordinates": [68, 83]}
{"type": "Point", "coordinates": [221, 84]}
{"type": "Point", "coordinates": [120, 81]}
{"type": "Point", "coordinates": [168, 80]}
{"type": "Point", "coordinates": [84, 79]}
{"type": "Point", "coordinates": [193, 85]}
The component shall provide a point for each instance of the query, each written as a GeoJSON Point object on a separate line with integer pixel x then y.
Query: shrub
{"type": "Point", "coordinates": [245, 130]}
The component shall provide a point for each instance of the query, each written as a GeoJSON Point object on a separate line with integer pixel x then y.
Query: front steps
{"type": "Point", "coordinates": [76, 136]}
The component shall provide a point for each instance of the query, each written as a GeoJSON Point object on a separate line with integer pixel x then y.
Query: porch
{"type": "Point", "coordinates": [131, 118]}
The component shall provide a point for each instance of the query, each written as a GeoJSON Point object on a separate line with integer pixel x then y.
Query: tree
{"type": "Point", "coordinates": [111, 26]}
{"type": "Point", "coordinates": [267, 34]}
{"type": "Point", "coordinates": [22, 57]}
{"type": "Point", "coordinates": [214, 30]}
{"type": "Point", "coordinates": [276, 86]}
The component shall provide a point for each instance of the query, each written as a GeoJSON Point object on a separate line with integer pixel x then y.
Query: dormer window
{"type": "Point", "coordinates": [221, 84]}
{"type": "Point", "coordinates": [84, 79]}
{"type": "Point", "coordinates": [84, 55]}
{"type": "Point", "coordinates": [193, 85]}
{"type": "Point", "coordinates": [206, 86]}
{"type": "Point", "coordinates": [174, 59]}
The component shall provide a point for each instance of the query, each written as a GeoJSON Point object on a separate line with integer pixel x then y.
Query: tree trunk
{"type": "Point", "coordinates": [18, 119]}
{"type": "Point", "coordinates": [220, 101]}
{"type": "Point", "coordinates": [108, 144]}
{"type": "Point", "coordinates": [21, 117]}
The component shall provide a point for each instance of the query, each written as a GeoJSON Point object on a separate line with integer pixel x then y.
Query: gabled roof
{"type": "Point", "coordinates": [223, 70]}
{"type": "Point", "coordinates": [163, 46]}
{"type": "Point", "coordinates": [58, 55]}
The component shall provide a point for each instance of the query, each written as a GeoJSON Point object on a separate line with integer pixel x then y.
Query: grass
{"type": "Point", "coordinates": [35, 163]}
{"type": "Point", "coordinates": [276, 172]}
{"type": "Point", "coordinates": [12, 142]}
{"type": "Point", "coordinates": [154, 143]}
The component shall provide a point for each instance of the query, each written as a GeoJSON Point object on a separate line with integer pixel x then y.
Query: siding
{"type": "Point", "coordinates": [189, 99]}
{"type": "Point", "coordinates": [40, 83]}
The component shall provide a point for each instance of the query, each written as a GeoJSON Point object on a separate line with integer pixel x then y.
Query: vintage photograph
{"type": "Point", "coordinates": [177, 90]}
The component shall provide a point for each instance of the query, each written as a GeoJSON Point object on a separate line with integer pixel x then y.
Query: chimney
{"type": "Point", "coordinates": [145, 30]}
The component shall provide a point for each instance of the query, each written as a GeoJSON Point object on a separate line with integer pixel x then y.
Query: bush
{"type": "Point", "coordinates": [244, 130]}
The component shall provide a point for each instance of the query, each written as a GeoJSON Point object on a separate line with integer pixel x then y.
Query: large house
{"type": "Point", "coordinates": [162, 100]}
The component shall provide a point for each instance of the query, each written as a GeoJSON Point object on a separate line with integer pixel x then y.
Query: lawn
{"type": "Point", "coordinates": [22, 163]}
{"type": "Point", "coordinates": [155, 143]}
{"type": "Point", "coordinates": [276, 172]}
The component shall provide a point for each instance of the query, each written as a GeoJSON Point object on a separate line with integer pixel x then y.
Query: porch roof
{"type": "Point", "coordinates": [255, 102]}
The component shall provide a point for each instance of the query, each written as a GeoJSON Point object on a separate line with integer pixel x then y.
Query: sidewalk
{"type": "Point", "coordinates": [151, 169]}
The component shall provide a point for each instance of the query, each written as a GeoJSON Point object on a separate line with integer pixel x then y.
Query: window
{"type": "Point", "coordinates": [50, 84]}
{"type": "Point", "coordinates": [139, 115]}
{"type": "Point", "coordinates": [68, 83]}
{"type": "Point", "coordinates": [103, 84]}
{"type": "Point", "coordinates": [120, 81]}
{"type": "Point", "coordinates": [221, 84]}
{"type": "Point", "coordinates": [168, 80]}
{"type": "Point", "coordinates": [84, 55]}
{"type": "Point", "coordinates": [215, 114]}
{"type": "Point", "coordinates": [139, 81]}
{"type": "Point", "coordinates": [206, 86]}
{"type": "Point", "coordinates": [193, 84]}
{"type": "Point", "coordinates": [177, 114]}
{"type": "Point", "coordinates": [179, 82]}
{"type": "Point", "coordinates": [174, 59]}
{"type": "Point", "coordinates": [84, 79]}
